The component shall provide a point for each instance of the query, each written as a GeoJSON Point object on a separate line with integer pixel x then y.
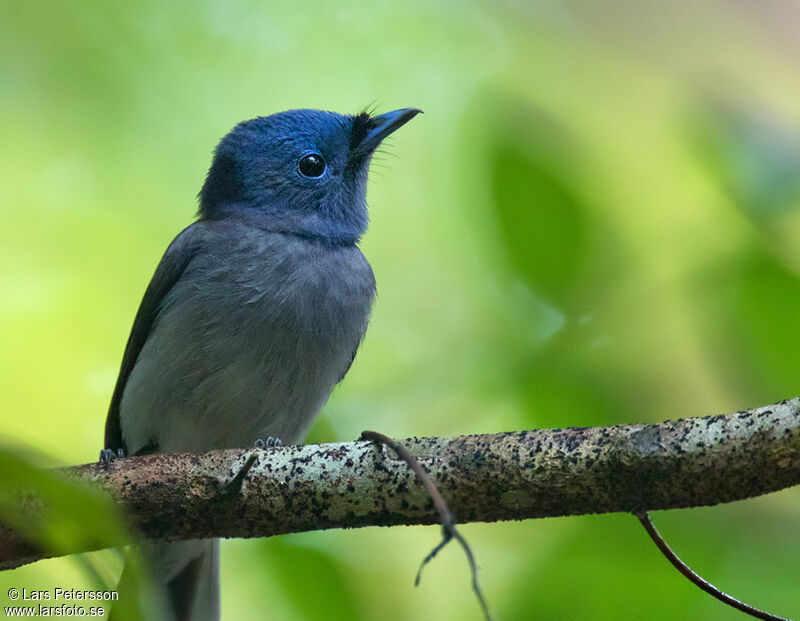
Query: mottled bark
{"type": "Point", "coordinates": [485, 478]}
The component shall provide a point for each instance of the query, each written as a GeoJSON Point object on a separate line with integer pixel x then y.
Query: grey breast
{"type": "Point", "coordinates": [248, 343]}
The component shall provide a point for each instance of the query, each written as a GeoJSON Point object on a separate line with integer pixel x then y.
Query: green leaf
{"type": "Point", "coordinates": [749, 308]}
{"type": "Point", "coordinates": [554, 238]}
{"type": "Point", "coordinates": [754, 154]}
{"type": "Point", "coordinates": [314, 581]}
{"type": "Point", "coordinates": [62, 516]}
{"type": "Point", "coordinates": [67, 516]}
{"type": "Point", "coordinates": [541, 216]}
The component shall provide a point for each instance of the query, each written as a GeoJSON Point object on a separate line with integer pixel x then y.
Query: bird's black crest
{"type": "Point", "coordinates": [360, 129]}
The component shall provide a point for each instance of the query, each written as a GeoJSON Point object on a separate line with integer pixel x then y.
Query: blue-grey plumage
{"type": "Point", "coordinates": [249, 342]}
{"type": "Point", "coordinates": [255, 311]}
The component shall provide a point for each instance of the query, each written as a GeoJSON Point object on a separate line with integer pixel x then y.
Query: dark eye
{"type": "Point", "coordinates": [312, 165]}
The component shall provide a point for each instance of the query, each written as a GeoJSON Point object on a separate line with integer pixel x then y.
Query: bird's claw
{"type": "Point", "coordinates": [109, 455]}
{"type": "Point", "coordinates": [270, 442]}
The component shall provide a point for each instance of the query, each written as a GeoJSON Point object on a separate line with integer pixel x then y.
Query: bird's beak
{"type": "Point", "coordinates": [384, 124]}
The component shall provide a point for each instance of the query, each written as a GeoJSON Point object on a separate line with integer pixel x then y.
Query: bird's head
{"type": "Point", "coordinates": [302, 172]}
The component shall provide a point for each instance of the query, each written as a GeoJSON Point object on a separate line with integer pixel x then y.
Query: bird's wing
{"type": "Point", "coordinates": [172, 265]}
{"type": "Point", "coordinates": [349, 364]}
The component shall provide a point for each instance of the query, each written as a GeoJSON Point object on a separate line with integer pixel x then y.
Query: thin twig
{"type": "Point", "coordinates": [449, 531]}
{"type": "Point", "coordinates": [697, 580]}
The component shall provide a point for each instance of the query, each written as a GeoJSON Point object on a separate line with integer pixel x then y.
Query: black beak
{"type": "Point", "coordinates": [382, 125]}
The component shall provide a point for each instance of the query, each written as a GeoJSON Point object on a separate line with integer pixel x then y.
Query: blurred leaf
{"type": "Point", "coordinates": [749, 308]}
{"type": "Point", "coordinates": [584, 376]}
{"type": "Point", "coordinates": [558, 388]}
{"type": "Point", "coordinates": [614, 573]}
{"type": "Point", "coordinates": [566, 252]}
{"type": "Point", "coordinates": [555, 238]}
{"type": "Point", "coordinates": [68, 516]}
{"type": "Point", "coordinates": [541, 214]}
{"type": "Point", "coordinates": [754, 154]}
{"type": "Point", "coordinates": [315, 582]}
{"type": "Point", "coordinates": [72, 516]}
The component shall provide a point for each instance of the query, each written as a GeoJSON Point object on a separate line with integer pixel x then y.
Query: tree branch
{"type": "Point", "coordinates": [484, 478]}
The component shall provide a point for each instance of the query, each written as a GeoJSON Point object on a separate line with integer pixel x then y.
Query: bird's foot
{"type": "Point", "coordinates": [109, 455]}
{"type": "Point", "coordinates": [270, 442]}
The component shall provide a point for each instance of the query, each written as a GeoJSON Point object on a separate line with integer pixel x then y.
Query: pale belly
{"type": "Point", "coordinates": [240, 354]}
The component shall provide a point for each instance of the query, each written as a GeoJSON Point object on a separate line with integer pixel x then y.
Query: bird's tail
{"type": "Point", "coordinates": [187, 578]}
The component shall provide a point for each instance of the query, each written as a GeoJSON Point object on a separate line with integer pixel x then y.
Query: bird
{"type": "Point", "coordinates": [254, 313]}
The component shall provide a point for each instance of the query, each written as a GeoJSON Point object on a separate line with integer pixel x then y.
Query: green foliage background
{"type": "Point", "coordinates": [596, 221]}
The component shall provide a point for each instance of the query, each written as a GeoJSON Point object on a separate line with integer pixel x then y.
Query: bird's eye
{"type": "Point", "coordinates": [312, 165]}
